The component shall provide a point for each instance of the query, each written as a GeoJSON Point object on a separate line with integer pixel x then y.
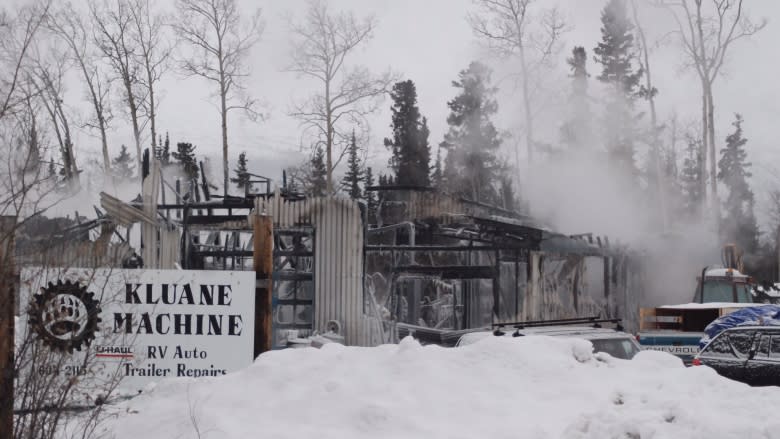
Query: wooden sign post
{"type": "Point", "coordinates": [7, 267]}
{"type": "Point", "coordinates": [263, 254]}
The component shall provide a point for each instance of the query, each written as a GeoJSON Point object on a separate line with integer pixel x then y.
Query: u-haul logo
{"type": "Point", "coordinates": [113, 352]}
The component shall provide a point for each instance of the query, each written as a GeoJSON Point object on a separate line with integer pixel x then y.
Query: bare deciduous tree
{"type": "Point", "coordinates": [323, 42]}
{"type": "Point", "coordinates": [112, 23]}
{"type": "Point", "coordinates": [16, 39]}
{"type": "Point", "coordinates": [648, 91]}
{"type": "Point", "coordinates": [68, 25]}
{"type": "Point", "coordinates": [220, 42]}
{"type": "Point", "coordinates": [706, 34]}
{"type": "Point", "coordinates": [46, 75]}
{"type": "Point", "coordinates": [509, 28]}
{"type": "Point", "coordinates": [153, 53]}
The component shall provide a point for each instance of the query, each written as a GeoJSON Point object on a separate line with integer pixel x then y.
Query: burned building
{"type": "Point", "coordinates": [424, 258]}
{"type": "Point", "coordinates": [438, 261]}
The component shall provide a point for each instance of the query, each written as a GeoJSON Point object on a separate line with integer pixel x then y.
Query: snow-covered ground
{"type": "Point", "coordinates": [529, 387]}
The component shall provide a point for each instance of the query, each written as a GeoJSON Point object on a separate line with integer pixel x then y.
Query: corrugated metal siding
{"type": "Point", "coordinates": [78, 254]}
{"type": "Point", "coordinates": [151, 193]}
{"type": "Point", "coordinates": [338, 257]}
{"type": "Point", "coordinates": [431, 205]}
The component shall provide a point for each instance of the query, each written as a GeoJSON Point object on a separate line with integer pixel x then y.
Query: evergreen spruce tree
{"type": "Point", "coordinates": [437, 176]}
{"type": "Point", "coordinates": [185, 155]}
{"type": "Point", "coordinates": [165, 155]}
{"type": "Point", "coordinates": [317, 178]}
{"type": "Point", "coordinates": [352, 179]}
{"type": "Point", "coordinates": [739, 222]}
{"type": "Point", "coordinates": [691, 179]}
{"type": "Point", "coordinates": [123, 168]}
{"type": "Point", "coordinates": [508, 197]}
{"type": "Point", "coordinates": [472, 169]}
{"type": "Point", "coordinates": [370, 196]}
{"type": "Point", "coordinates": [576, 131]}
{"type": "Point", "coordinates": [616, 55]}
{"type": "Point", "coordinates": [242, 174]}
{"type": "Point", "coordinates": [409, 147]}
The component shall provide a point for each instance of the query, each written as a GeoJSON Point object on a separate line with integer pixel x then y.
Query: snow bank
{"type": "Point", "coordinates": [528, 387]}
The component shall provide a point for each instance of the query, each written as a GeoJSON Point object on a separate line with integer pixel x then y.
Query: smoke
{"type": "Point", "coordinates": [579, 192]}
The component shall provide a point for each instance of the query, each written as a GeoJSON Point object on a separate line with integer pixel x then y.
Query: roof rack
{"type": "Point", "coordinates": [595, 321]}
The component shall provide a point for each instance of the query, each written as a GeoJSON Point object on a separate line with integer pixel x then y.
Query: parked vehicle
{"type": "Point", "coordinates": [677, 329]}
{"type": "Point", "coordinates": [613, 341]}
{"type": "Point", "coordinates": [750, 354]}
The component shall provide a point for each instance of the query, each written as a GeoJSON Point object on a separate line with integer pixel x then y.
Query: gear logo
{"type": "Point", "coordinates": [65, 316]}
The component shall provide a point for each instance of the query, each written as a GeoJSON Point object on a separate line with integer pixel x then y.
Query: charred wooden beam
{"type": "Point", "coordinates": [449, 271]}
{"type": "Point", "coordinates": [223, 253]}
{"type": "Point", "coordinates": [215, 219]}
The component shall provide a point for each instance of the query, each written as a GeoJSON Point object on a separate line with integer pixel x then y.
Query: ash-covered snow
{"type": "Point", "coordinates": [529, 387]}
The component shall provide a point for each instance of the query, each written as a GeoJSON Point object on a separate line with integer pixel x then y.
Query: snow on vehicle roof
{"type": "Point", "coordinates": [724, 272]}
{"type": "Point", "coordinates": [530, 387]}
{"type": "Point", "coordinates": [584, 332]}
{"type": "Point", "coordinates": [708, 305]}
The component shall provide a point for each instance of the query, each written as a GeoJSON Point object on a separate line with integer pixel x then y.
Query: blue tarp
{"type": "Point", "coordinates": [754, 315]}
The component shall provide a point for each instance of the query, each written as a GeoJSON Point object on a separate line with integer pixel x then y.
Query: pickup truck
{"type": "Point", "coordinates": [677, 329]}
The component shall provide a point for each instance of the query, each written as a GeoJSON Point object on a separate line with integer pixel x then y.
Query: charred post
{"type": "Point", "coordinates": [7, 266]}
{"type": "Point", "coordinates": [263, 266]}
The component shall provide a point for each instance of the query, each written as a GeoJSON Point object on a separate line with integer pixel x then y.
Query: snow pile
{"type": "Point", "coordinates": [528, 387]}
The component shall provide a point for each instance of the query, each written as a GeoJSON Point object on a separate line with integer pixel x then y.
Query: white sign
{"type": "Point", "coordinates": [141, 325]}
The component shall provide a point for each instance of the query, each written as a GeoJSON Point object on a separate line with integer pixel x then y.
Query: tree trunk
{"type": "Point", "coordinates": [223, 113]}
{"type": "Point", "coordinates": [72, 171]}
{"type": "Point", "coordinates": [653, 122]}
{"type": "Point", "coordinates": [704, 141]}
{"type": "Point", "coordinates": [152, 115]}
{"type": "Point", "coordinates": [329, 142]}
{"type": "Point", "coordinates": [98, 113]}
{"type": "Point", "coordinates": [529, 123]}
{"type": "Point", "coordinates": [713, 156]}
{"type": "Point", "coordinates": [104, 141]}
{"type": "Point", "coordinates": [134, 119]}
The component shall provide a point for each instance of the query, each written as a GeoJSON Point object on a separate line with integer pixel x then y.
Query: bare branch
{"type": "Point", "coordinates": [113, 36]}
{"type": "Point", "coordinates": [509, 28]}
{"type": "Point", "coordinates": [15, 47]}
{"type": "Point", "coordinates": [218, 42]}
{"type": "Point", "coordinates": [323, 42]}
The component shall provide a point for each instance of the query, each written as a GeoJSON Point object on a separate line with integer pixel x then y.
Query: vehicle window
{"type": "Point", "coordinates": [719, 347]}
{"type": "Point", "coordinates": [741, 341]}
{"type": "Point", "coordinates": [743, 294]}
{"type": "Point", "coordinates": [616, 347]}
{"type": "Point", "coordinates": [715, 291]}
{"type": "Point", "coordinates": [762, 350]}
{"type": "Point", "coordinates": [774, 346]}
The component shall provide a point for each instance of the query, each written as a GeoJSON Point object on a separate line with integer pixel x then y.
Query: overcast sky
{"type": "Point", "coordinates": [429, 41]}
